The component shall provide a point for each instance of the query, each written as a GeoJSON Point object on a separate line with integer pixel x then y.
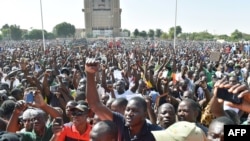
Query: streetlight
{"type": "Point", "coordinates": [41, 8]}
{"type": "Point", "coordinates": [175, 23]}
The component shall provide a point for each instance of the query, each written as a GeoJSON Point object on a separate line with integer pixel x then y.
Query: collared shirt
{"type": "Point", "coordinates": [70, 133]}
{"type": "Point", "coordinates": [124, 132]}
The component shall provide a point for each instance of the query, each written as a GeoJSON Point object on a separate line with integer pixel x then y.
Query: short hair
{"type": "Point", "coordinates": [16, 93]}
{"type": "Point", "coordinates": [107, 127]}
{"type": "Point", "coordinates": [8, 107]}
{"type": "Point", "coordinates": [80, 95]}
{"type": "Point", "coordinates": [121, 101]}
{"type": "Point", "coordinates": [223, 119]}
{"type": "Point", "coordinates": [167, 105]}
{"type": "Point", "coordinates": [141, 101]}
{"type": "Point", "coordinates": [233, 116]}
{"type": "Point", "coordinates": [195, 105]}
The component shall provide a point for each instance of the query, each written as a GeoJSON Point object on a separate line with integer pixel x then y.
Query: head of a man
{"type": "Point", "coordinates": [119, 105]}
{"type": "Point", "coordinates": [104, 131]}
{"type": "Point", "coordinates": [188, 94]}
{"type": "Point", "coordinates": [17, 94]}
{"type": "Point", "coordinates": [39, 119]}
{"type": "Point", "coordinates": [79, 115]}
{"type": "Point", "coordinates": [70, 105]}
{"type": "Point", "coordinates": [104, 98]}
{"type": "Point", "coordinates": [120, 86]}
{"type": "Point", "coordinates": [216, 128]}
{"type": "Point", "coordinates": [8, 107]}
{"type": "Point", "coordinates": [135, 112]}
{"type": "Point", "coordinates": [166, 115]}
{"type": "Point", "coordinates": [27, 120]}
{"type": "Point", "coordinates": [142, 86]}
{"type": "Point", "coordinates": [188, 110]}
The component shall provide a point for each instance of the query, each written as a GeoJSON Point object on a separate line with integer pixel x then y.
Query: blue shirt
{"type": "Point", "coordinates": [124, 132]}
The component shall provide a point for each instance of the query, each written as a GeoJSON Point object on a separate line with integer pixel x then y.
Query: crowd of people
{"type": "Point", "coordinates": [137, 91]}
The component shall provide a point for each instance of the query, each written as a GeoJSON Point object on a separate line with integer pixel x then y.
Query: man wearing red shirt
{"type": "Point", "coordinates": [76, 130]}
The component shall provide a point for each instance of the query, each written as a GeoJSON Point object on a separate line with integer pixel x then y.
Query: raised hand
{"type": "Point", "coordinates": [91, 65]}
{"type": "Point", "coordinates": [20, 106]}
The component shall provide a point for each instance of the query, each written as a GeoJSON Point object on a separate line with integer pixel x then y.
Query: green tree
{"type": "Point", "coordinates": [50, 36]}
{"type": "Point", "coordinates": [183, 36]}
{"type": "Point", "coordinates": [204, 36]}
{"type": "Point", "coordinates": [11, 32]}
{"type": "Point", "coordinates": [171, 31]}
{"type": "Point", "coordinates": [246, 36]}
{"type": "Point", "coordinates": [36, 34]}
{"type": "Point", "coordinates": [236, 35]}
{"type": "Point", "coordinates": [158, 33]}
{"type": "Point", "coordinates": [151, 33]}
{"type": "Point", "coordinates": [143, 34]}
{"type": "Point", "coordinates": [1, 37]}
{"type": "Point", "coordinates": [136, 32]}
{"type": "Point", "coordinates": [223, 36]}
{"type": "Point", "coordinates": [64, 30]}
{"type": "Point", "coordinates": [127, 31]}
{"type": "Point", "coordinates": [6, 33]}
{"type": "Point", "coordinates": [15, 32]}
{"type": "Point", "coordinates": [164, 35]}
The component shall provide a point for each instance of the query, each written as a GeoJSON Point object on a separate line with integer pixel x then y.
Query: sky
{"type": "Point", "coordinates": [215, 16]}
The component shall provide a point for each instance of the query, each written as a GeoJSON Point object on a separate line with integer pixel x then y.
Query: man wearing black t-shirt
{"type": "Point", "coordinates": [131, 126]}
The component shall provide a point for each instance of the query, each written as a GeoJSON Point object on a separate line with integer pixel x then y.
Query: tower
{"type": "Point", "coordinates": [102, 18]}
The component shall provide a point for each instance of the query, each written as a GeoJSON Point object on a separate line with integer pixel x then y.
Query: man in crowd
{"type": "Point", "coordinates": [78, 129]}
{"type": "Point", "coordinates": [133, 125]}
{"type": "Point", "coordinates": [40, 130]}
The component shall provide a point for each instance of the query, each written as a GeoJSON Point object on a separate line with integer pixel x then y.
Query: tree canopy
{"type": "Point", "coordinates": [64, 30]}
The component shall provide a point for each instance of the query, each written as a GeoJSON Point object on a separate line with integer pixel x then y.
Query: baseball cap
{"type": "Point", "coordinates": [180, 131]}
{"type": "Point", "coordinates": [82, 108]}
{"type": "Point", "coordinates": [28, 114]}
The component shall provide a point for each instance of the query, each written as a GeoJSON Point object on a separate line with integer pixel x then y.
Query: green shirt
{"type": "Point", "coordinates": [209, 75]}
{"type": "Point", "coordinates": [31, 136]}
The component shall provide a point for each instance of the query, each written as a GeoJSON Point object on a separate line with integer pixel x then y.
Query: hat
{"type": "Point", "coordinates": [82, 108]}
{"type": "Point", "coordinates": [27, 114]}
{"type": "Point", "coordinates": [7, 136]}
{"type": "Point", "coordinates": [37, 112]}
{"type": "Point", "coordinates": [180, 131]}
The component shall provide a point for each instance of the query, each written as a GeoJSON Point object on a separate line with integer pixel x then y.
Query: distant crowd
{"type": "Point", "coordinates": [123, 90]}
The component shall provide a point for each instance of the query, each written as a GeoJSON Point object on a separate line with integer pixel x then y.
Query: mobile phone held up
{"type": "Point", "coordinates": [223, 93]}
{"type": "Point", "coordinates": [59, 121]}
{"type": "Point", "coordinates": [29, 97]}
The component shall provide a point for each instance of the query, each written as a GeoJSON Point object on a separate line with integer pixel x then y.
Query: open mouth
{"type": "Point", "coordinates": [128, 119]}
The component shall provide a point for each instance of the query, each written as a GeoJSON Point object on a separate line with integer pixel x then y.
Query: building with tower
{"type": "Point", "coordinates": [102, 18]}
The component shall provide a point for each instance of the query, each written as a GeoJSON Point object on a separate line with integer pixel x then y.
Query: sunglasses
{"type": "Point", "coordinates": [77, 113]}
{"type": "Point", "coordinates": [27, 120]}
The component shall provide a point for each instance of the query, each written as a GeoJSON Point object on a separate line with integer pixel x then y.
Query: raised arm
{"type": "Point", "coordinates": [91, 67]}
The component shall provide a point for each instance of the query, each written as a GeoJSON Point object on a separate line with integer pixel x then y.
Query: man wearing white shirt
{"type": "Point", "coordinates": [120, 91]}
